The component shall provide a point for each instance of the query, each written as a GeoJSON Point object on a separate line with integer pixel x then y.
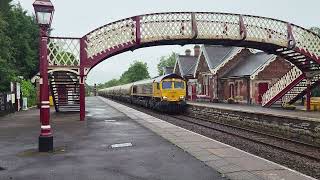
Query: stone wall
{"type": "Point", "coordinates": [293, 128]}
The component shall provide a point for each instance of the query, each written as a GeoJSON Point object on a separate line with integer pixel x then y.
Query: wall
{"type": "Point", "coordinates": [295, 128]}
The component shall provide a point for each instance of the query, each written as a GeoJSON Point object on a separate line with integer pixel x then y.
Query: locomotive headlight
{"type": "Point", "coordinates": [181, 97]}
{"type": "Point", "coordinates": [165, 97]}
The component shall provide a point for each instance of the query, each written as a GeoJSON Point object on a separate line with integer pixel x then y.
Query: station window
{"type": "Point", "coordinates": [166, 85]}
{"type": "Point", "coordinates": [178, 85]}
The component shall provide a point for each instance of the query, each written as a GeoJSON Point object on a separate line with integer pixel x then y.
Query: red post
{"type": "Point", "coordinates": [45, 138]}
{"type": "Point", "coordinates": [82, 80]}
{"type": "Point", "coordinates": [308, 94]}
{"type": "Point", "coordinates": [82, 99]}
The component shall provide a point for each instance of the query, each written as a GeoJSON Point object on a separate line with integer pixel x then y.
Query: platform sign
{"type": "Point", "coordinates": [8, 97]}
{"type": "Point", "coordinates": [25, 103]}
{"type": "Point", "coordinates": [13, 98]}
{"type": "Point", "coordinates": [11, 87]}
{"type": "Point", "coordinates": [18, 90]}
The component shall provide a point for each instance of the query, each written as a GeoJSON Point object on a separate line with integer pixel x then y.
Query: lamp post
{"type": "Point", "coordinates": [44, 12]}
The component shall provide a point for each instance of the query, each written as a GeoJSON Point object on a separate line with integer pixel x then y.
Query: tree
{"type": "Point", "coordinates": [18, 44]}
{"type": "Point", "coordinates": [137, 71]}
{"type": "Point", "coordinates": [5, 5]}
{"type": "Point", "coordinates": [167, 61]}
{"type": "Point", "coordinates": [6, 68]}
{"type": "Point", "coordinates": [315, 30]}
{"type": "Point", "coordinates": [24, 33]}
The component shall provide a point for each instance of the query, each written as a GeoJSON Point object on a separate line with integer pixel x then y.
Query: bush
{"type": "Point", "coordinates": [230, 101]}
{"type": "Point", "coordinates": [288, 106]}
{"type": "Point", "coordinates": [29, 91]}
{"type": "Point", "coordinates": [238, 98]}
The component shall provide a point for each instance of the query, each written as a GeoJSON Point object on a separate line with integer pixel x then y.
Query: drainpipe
{"type": "Point", "coordinates": [248, 90]}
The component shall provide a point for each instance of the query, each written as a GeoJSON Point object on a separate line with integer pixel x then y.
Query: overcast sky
{"type": "Point", "coordinates": [75, 18]}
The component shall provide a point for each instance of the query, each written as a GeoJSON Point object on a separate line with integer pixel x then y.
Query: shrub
{"type": "Point", "coordinates": [230, 101]}
{"type": "Point", "coordinates": [288, 106]}
{"type": "Point", "coordinates": [29, 91]}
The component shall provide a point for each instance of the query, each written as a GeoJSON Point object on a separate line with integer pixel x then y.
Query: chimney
{"type": "Point", "coordinates": [188, 52]}
{"type": "Point", "coordinates": [196, 50]}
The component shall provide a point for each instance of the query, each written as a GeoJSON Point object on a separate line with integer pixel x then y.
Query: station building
{"type": "Point", "coordinates": [218, 73]}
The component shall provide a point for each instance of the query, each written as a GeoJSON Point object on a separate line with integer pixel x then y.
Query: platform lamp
{"type": "Point", "coordinates": [44, 12]}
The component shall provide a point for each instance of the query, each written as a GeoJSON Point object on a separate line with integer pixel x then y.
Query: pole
{"type": "Point", "coordinates": [82, 99]}
{"type": "Point", "coordinates": [45, 138]}
{"type": "Point", "coordinates": [82, 80]}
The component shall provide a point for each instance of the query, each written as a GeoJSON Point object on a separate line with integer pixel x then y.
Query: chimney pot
{"type": "Point", "coordinates": [196, 50]}
{"type": "Point", "coordinates": [188, 52]}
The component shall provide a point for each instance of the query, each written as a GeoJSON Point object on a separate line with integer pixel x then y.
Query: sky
{"type": "Point", "coordinates": [75, 18]}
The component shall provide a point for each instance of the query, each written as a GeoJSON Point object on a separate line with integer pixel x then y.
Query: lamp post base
{"type": "Point", "coordinates": [45, 143]}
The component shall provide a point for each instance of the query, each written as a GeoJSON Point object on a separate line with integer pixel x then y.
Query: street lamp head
{"type": "Point", "coordinates": [44, 12]}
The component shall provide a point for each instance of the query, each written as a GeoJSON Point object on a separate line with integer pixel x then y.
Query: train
{"type": "Point", "coordinates": [165, 93]}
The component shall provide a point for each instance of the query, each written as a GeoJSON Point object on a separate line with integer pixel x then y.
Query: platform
{"type": "Point", "coordinates": [297, 114]}
{"type": "Point", "coordinates": [96, 149]}
{"type": "Point", "coordinates": [233, 163]}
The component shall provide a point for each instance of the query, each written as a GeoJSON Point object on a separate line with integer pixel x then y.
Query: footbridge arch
{"type": "Point", "coordinates": [296, 44]}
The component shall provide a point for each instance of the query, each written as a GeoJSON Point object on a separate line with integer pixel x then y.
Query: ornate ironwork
{"type": "Point", "coordinates": [63, 52]}
{"type": "Point", "coordinates": [281, 84]}
{"type": "Point", "coordinates": [200, 26]}
{"type": "Point", "coordinates": [111, 36]}
{"type": "Point", "coordinates": [294, 43]}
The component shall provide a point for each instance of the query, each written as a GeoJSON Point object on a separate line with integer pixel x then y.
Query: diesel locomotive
{"type": "Point", "coordinates": [165, 93]}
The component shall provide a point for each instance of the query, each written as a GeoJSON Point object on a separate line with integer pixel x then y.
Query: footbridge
{"type": "Point", "coordinates": [71, 59]}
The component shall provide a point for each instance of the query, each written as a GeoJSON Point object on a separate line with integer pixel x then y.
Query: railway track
{"type": "Point", "coordinates": [288, 145]}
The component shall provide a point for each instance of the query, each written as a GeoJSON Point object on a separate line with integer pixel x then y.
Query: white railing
{"type": "Point", "coordinates": [208, 26]}
{"type": "Point", "coordinates": [281, 84]}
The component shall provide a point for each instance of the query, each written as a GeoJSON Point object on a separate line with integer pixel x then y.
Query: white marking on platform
{"type": "Point", "coordinates": [121, 145]}
{"type": "Point", "coordinates": [109, 120]}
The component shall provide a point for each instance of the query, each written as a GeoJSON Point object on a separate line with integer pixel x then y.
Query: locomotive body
{"type": "Point", "coordinates": [165, 93]}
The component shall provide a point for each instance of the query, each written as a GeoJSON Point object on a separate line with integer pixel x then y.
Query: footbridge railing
{"type": "Point", "coordinates": [191, 27]}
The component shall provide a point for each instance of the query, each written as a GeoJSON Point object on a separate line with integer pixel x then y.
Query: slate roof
{"type": "Point", "coordinates": [249, 65]}
{"type": "Point", "coordinates": [187, 64]}
{"type": "Point", "coordinates": [215, 55]}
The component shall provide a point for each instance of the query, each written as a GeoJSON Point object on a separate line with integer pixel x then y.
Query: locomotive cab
{"type": "Point", "coordinates": [173, 90]}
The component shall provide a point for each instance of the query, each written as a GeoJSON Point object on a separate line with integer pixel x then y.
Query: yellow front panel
{"type": "Point", "coordinates": [172, 93]}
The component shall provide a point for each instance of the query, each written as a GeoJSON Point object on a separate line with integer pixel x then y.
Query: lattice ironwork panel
{"type": "Point", "coordinates": [298, 89]}
{"type": "Point", "coordinates": [306, 40]}
{"type": "Point", "coordinates": [169, 26]}
{"type": "Point", "coordinates": [113, 35]}
{"type": "Point", "coordinates": [218, 26]}
{"type": "Point", "coordinates": [281, 84]}
{"type": "Point", "coordinates": [266, 30]}
{"type": "Point", "coordinates": [63, 52]}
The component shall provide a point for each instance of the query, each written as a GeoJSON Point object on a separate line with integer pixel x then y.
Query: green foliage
{"type": "Point", "coordinates": [5, 5]}
{"type": "Point", "coordinates": [166, 61]}
{"type": "Point", "coordinates": [18, 44]}
{"type": "Point", "coordinates": [316, 92]}
{"type": "Point", "coordinates": [89, 89]}
{"type": "Point", "coordinates": [28, 91]}
{"type": "Point", "coordinates": [137, 71]}
{"type": "Point", "coordinates": [315, 30]}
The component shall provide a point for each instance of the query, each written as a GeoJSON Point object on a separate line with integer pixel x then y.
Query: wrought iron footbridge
{"type": "Point", "coordinates": [296, 44]}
